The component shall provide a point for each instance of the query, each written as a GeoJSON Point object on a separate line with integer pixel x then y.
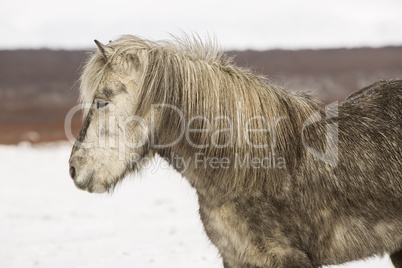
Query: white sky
{"type": "Point", "coordinates": [236, 24]}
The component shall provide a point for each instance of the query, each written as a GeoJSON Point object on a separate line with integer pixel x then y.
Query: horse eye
{"type": "Point", "coordinates": [101, 104]}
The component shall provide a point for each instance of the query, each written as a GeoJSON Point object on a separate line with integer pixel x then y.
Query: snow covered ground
{"type": "Point", "coordinates": [151, 221]}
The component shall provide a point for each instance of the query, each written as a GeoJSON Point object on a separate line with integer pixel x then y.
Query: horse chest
{"type": "Point", "coordinates": [227, 231]}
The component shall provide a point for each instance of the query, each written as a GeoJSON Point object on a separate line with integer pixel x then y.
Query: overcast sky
{"type": "Point", "coordinates": [236, 24]}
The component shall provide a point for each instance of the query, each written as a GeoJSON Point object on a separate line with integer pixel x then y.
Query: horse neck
{"type": "Point", "coordinates": [284, 115]}
{"type": "Point", "coordinates": [196, 95]}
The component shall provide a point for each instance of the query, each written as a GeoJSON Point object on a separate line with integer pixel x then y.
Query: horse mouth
{"type": "Point", "coordinates": [90, 183]}
{"type": "Point", "coordinates": [86, 183]}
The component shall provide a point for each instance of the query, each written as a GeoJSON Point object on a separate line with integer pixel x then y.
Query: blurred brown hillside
{"type": "Point", "coordinates": [331, 74]}
{"type": "Point", "coordinates": [39, 87]}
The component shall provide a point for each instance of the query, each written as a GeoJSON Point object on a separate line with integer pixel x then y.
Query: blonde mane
{"type": "Point", "coordinates": [200, 80]}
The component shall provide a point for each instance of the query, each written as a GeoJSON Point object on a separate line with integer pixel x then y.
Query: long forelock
{"type": "Point", "coordinates": [90, 79]}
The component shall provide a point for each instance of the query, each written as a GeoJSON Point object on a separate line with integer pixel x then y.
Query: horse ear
{"type": "Point", "coordinates": [104, 50]}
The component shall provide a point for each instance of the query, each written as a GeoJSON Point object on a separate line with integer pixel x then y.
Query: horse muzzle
{"type": "Point", "coordinates": [84, 180]}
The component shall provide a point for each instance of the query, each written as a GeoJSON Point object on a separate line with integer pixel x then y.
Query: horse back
{"type": "Point", "coordinates": [384, 95]}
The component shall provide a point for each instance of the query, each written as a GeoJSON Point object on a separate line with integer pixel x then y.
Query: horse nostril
{"type": "Point", "coordinates": [72, 172]}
